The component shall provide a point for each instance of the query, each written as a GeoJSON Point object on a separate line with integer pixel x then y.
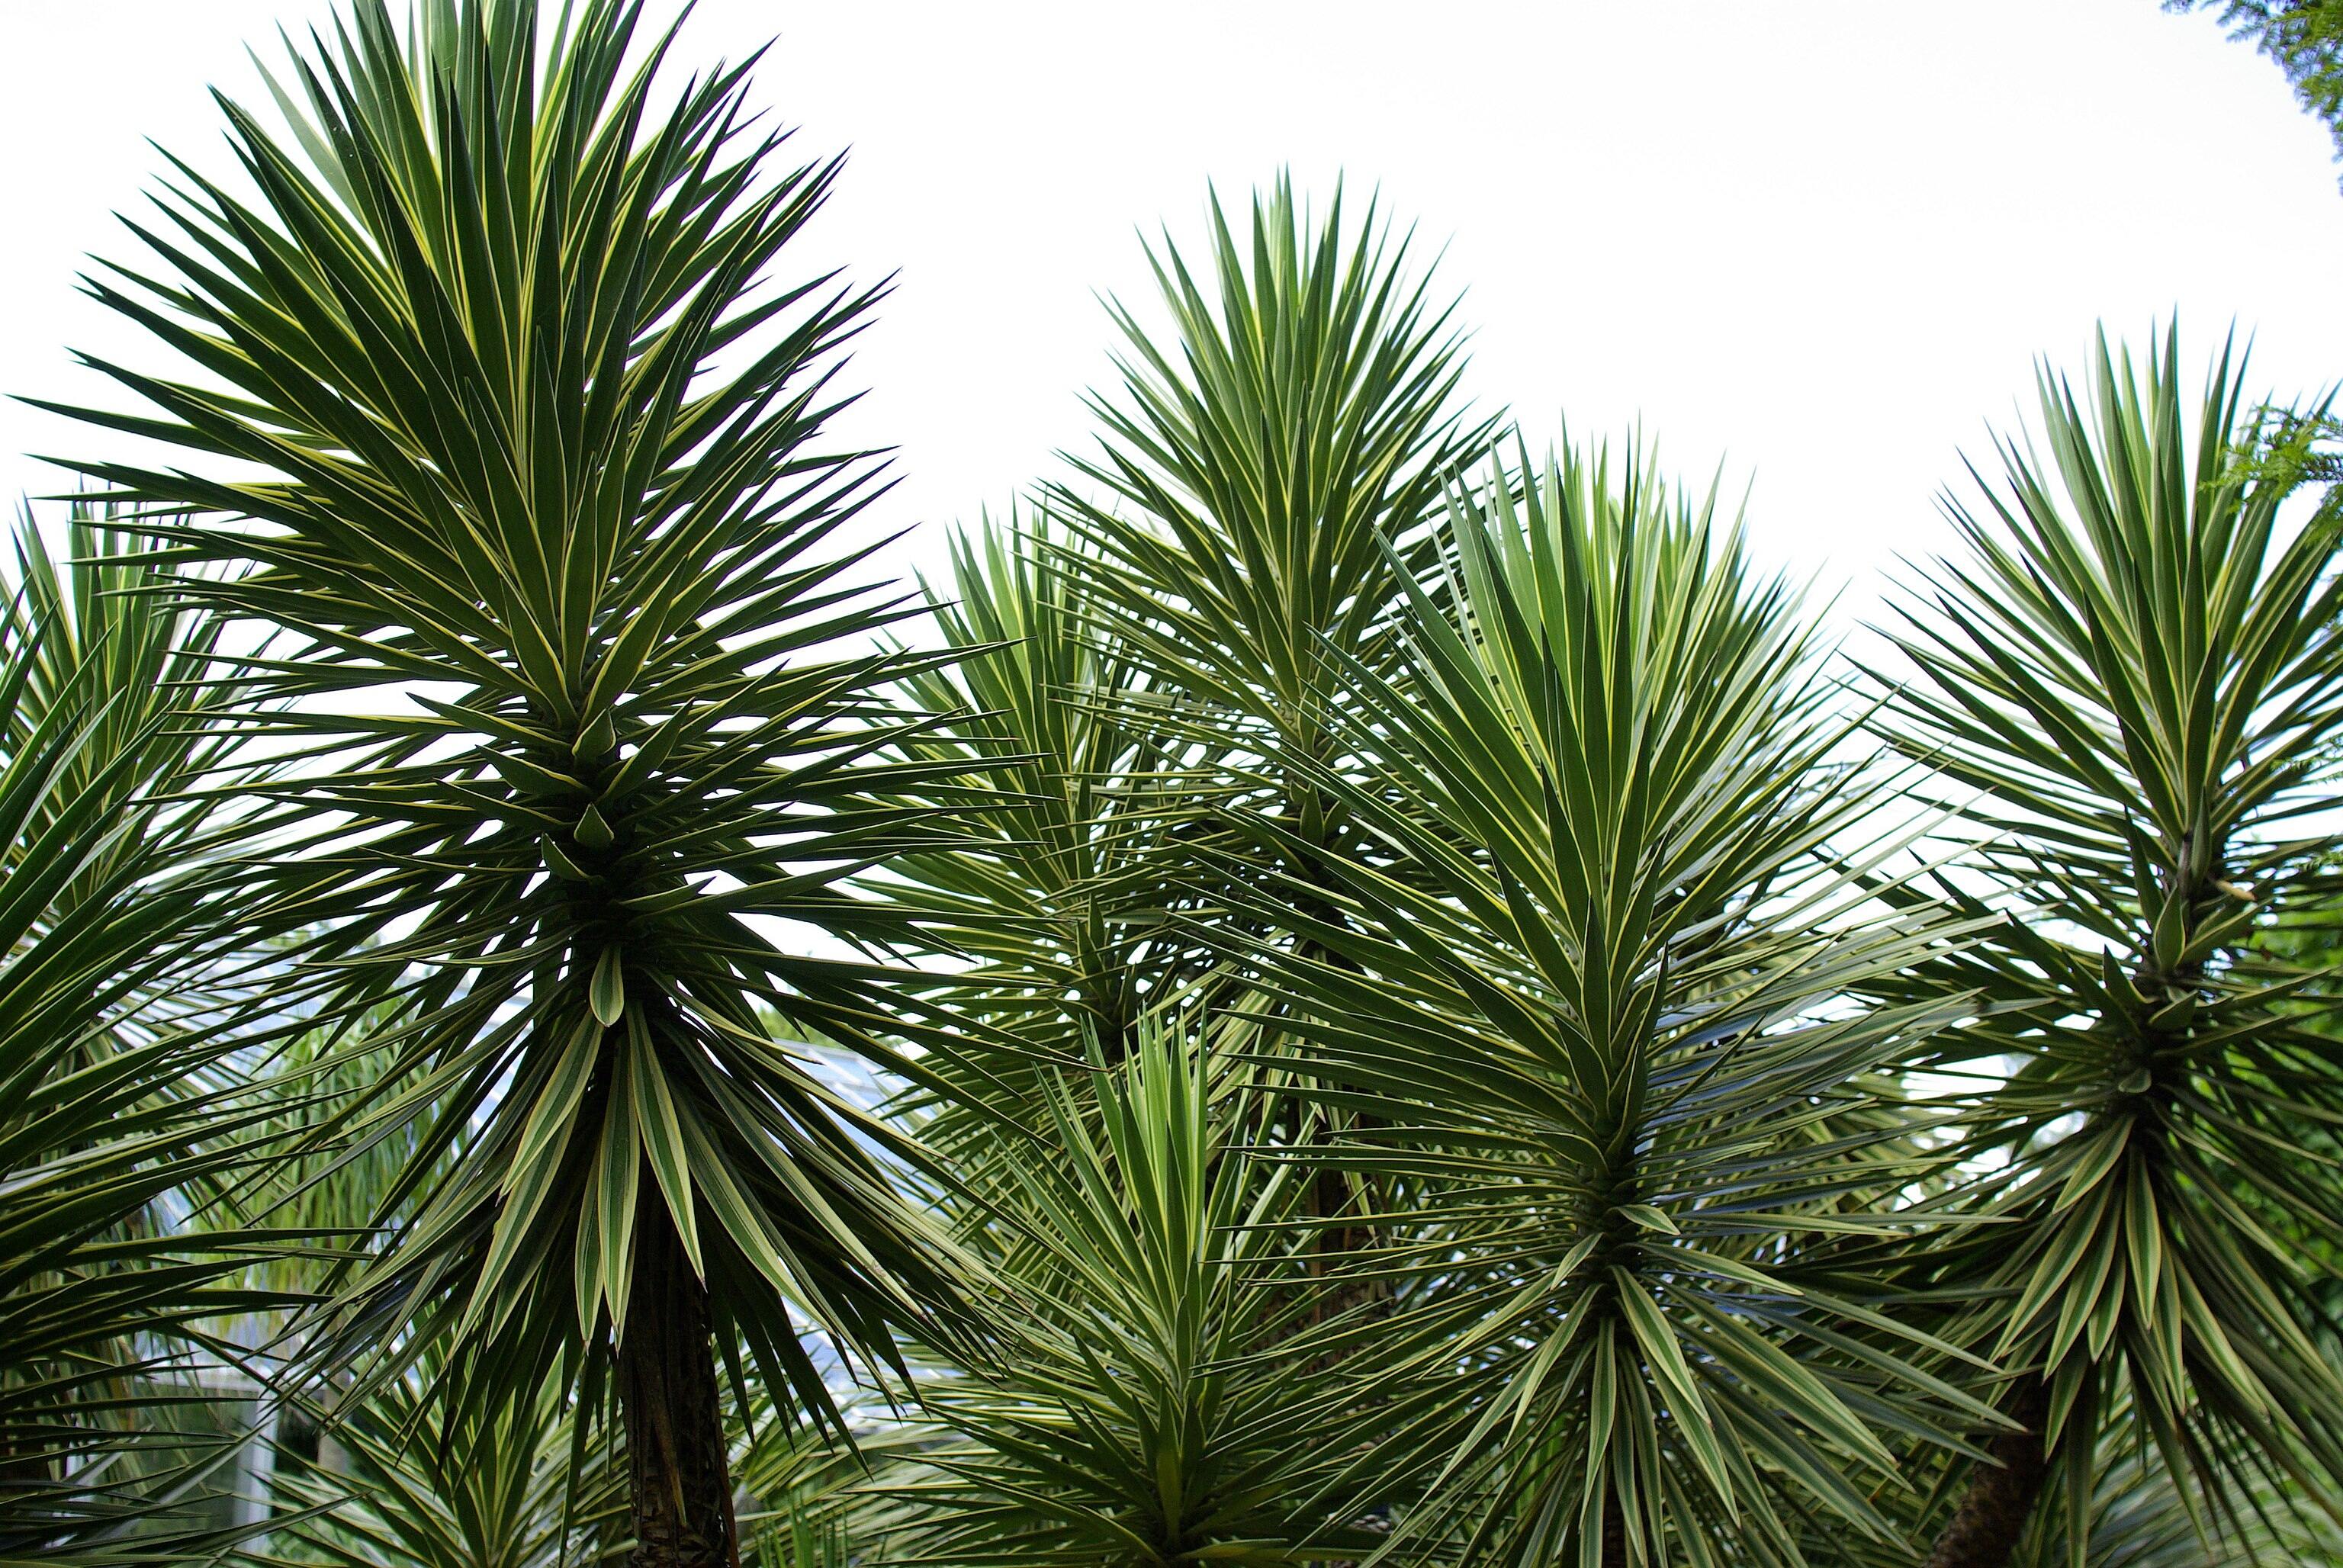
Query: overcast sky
{"type": "Point", "coordinates": [1818, 243]}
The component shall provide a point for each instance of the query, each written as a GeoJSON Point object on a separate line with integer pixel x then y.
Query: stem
{"type": "Point", "coordinates": [676, 1467]}
{"type": "Point", "coordinates": [1992, 1513]}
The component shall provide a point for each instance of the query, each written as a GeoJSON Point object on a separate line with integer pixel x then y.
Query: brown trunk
{"type": "Point", "coordinates": [665, 1378]}
{"type": "Point", "coordinates": [1614, 1534]}
{"type": "Point", "coordinates": [1985, 1528]}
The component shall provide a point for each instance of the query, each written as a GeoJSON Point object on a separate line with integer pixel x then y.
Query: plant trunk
{"type": "Point", "coordinates": [676, 1467]}
{"type": "Point", "coordinates": [1614, 1534]}
{"type": "Point", "coordinates": [1992, 1513]}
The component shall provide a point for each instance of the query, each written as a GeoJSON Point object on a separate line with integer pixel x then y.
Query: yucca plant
{"type": "Point", "coordinates": [97, 634]}
{"type": "Point", "coordinates": [1262, 482]}
{"type": "Point", "coordinates": [413, 1474]}
{"type": "Point", "coordinates": [1441, 1050]}
{"type": "Point", "coordinates": [123, 1091]}
{"type": "Point", "coordinates": [2139, 1516]}
{"type": "Point", "coordinates": [423, 1476]}
{"type": "Point", "coordinates": [818, 1504]}
{"type": "Point", "coordinates": [1585, 1001]}
{"type": "Point", "coordinates": [1062, 893]}
{"type": "Point", "coordinates": [2132, 689]}
{"type": "Point", "coordinates": [493, 398]}
{"type": "Point", "coordinates": [1147, 1406]}
{"type": "Point", "coordinates": [1137, 644]}
{"type": "Point", "coordinates": [1256, 502]}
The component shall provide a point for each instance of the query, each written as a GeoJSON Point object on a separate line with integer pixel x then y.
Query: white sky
{"type": "Point", "coordinates": [1818, 242]}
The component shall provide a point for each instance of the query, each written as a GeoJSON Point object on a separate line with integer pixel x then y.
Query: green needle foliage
{"type": "Point", "coordinates": [1577, 1004]}
{"type": "Point", "coordinates": [2135, 685]}
{"type": "Point", "coordinates": [820, 1505]}
{"type": "Point", "coordinates": [497, 409]}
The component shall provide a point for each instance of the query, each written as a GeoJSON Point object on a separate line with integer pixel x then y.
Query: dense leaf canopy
{"type": "Point", "coordinates": [1343, 992]}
